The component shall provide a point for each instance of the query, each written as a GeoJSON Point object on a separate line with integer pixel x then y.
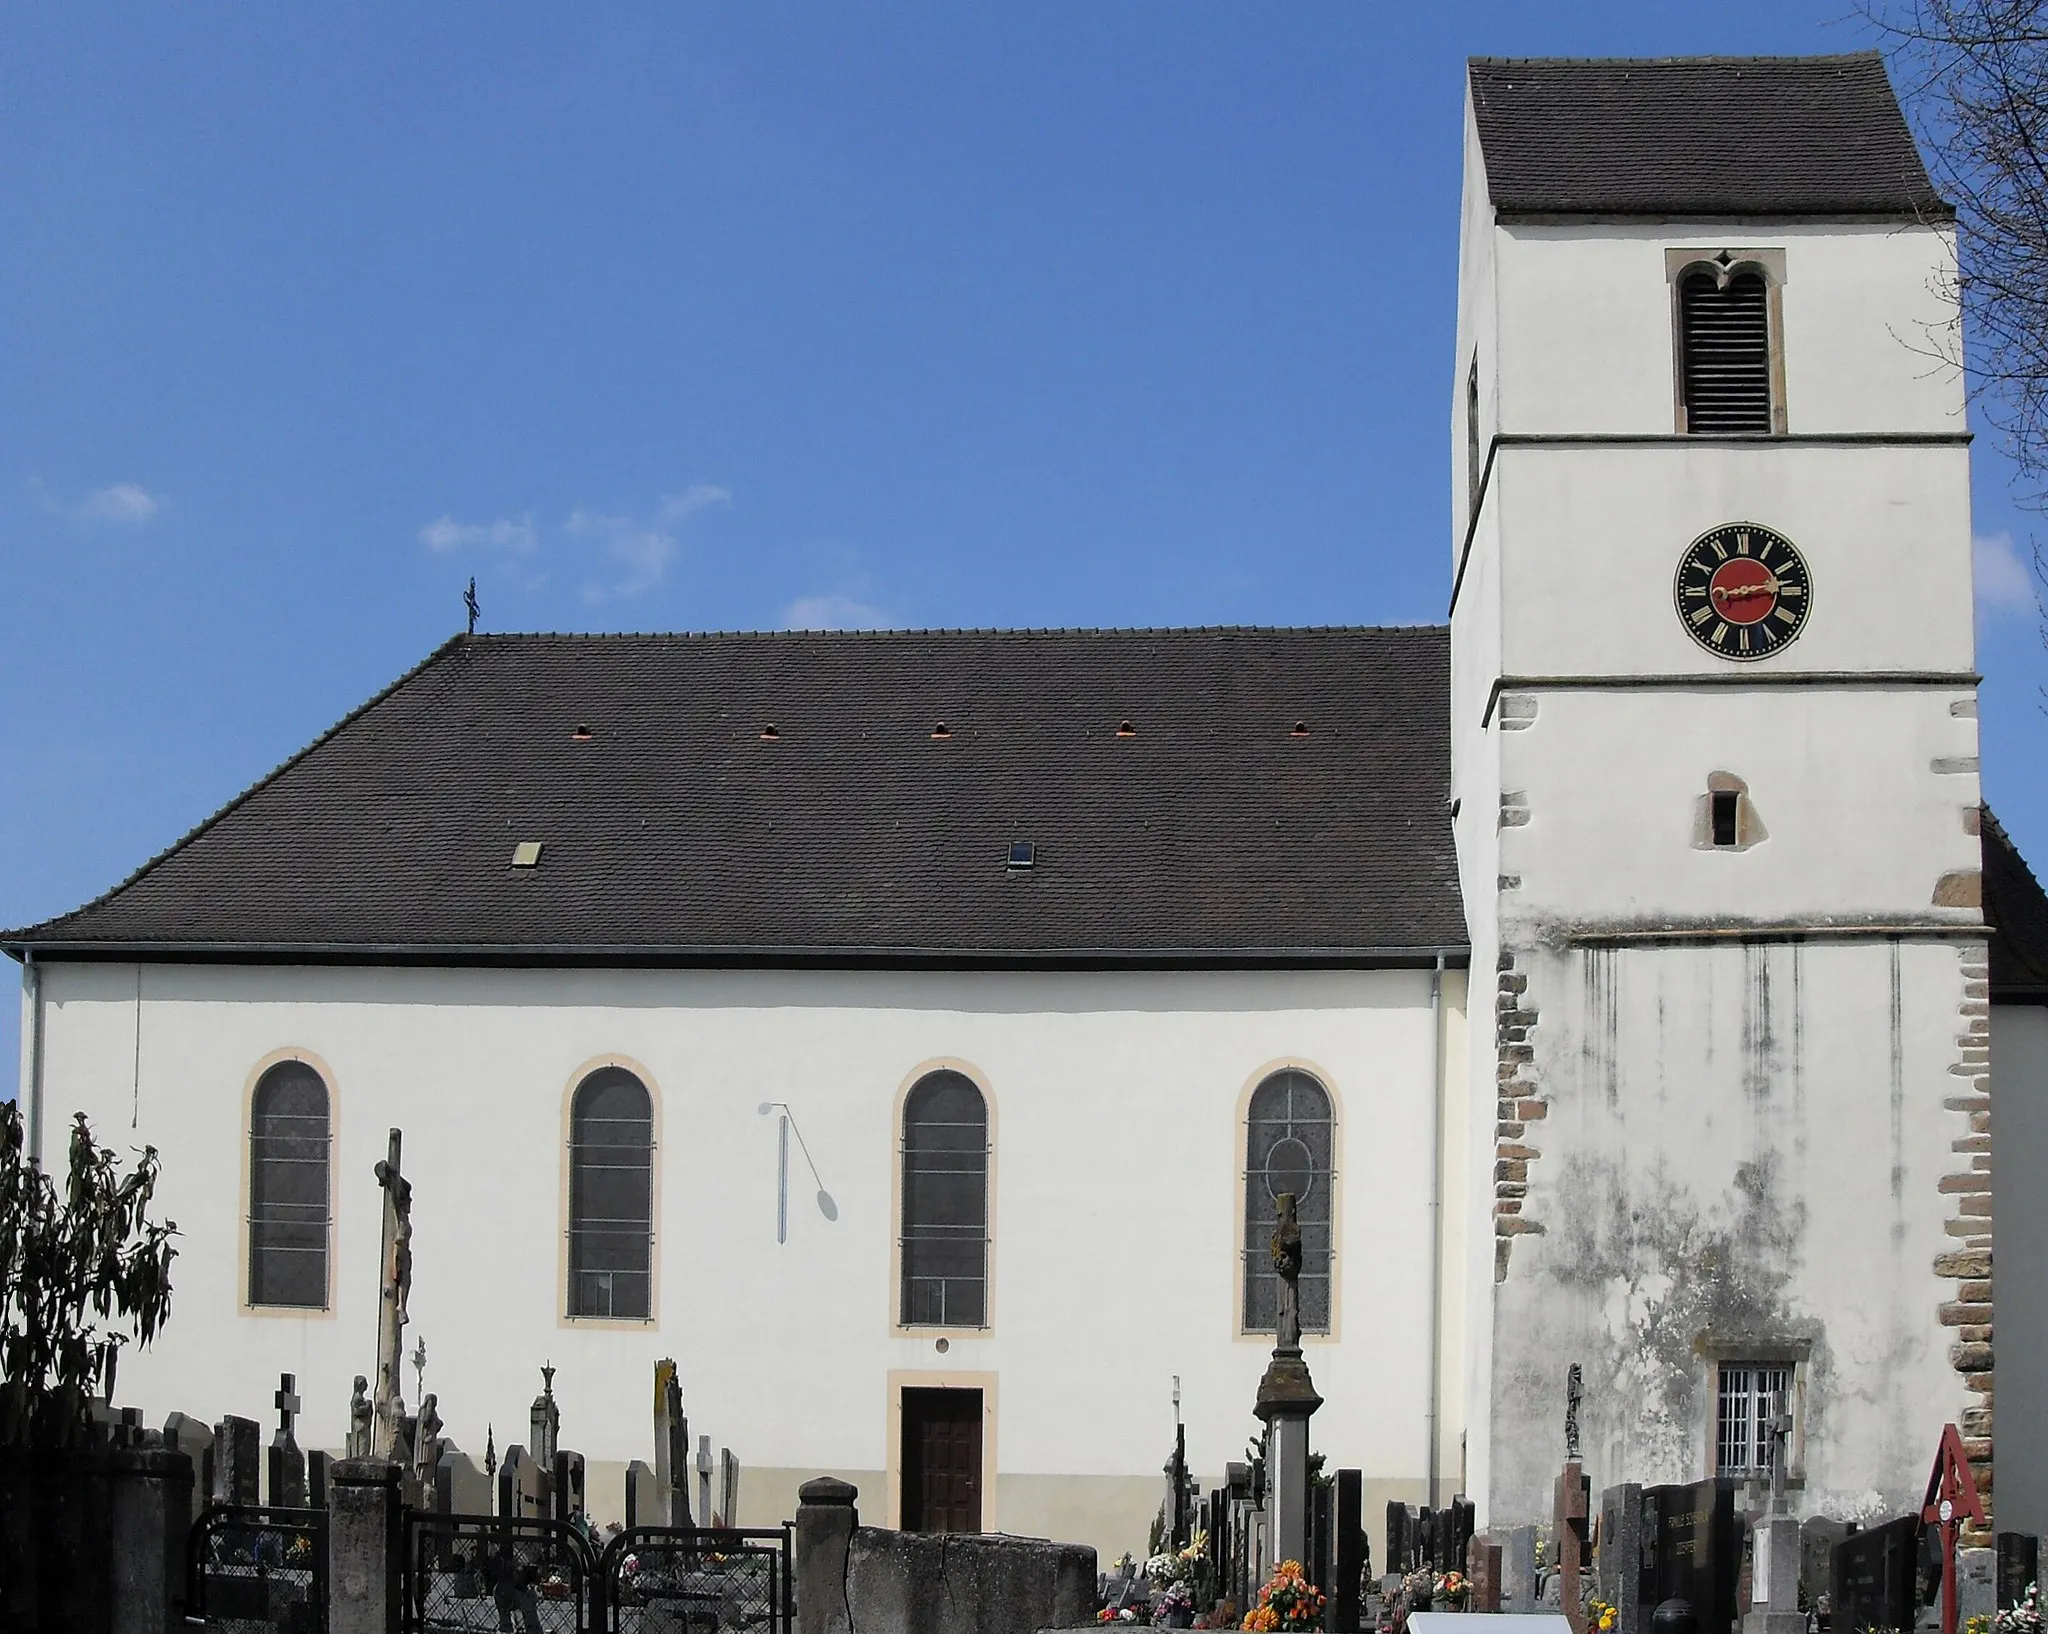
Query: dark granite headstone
{"type": "Point", "coordinates": [1618, 1559]}
{"type": "Point", "coordinates": [2019, 1564]}
{"type": "Point", "coordinates": [1347, 1606]}
{"type": "Point", "coordinates": [568, 1484]}
{"type": "Point", "coordinates": [1876, 1576]}
{"type": "Point", "coordinates": [1698, 1550]}
{"type": "Point", "coordinates": [238, 1461]}
{"type": "Point", "coordinates": [1399, 1543]}
{"type": "Point", "coordinates": [1424, 1524]}
{"type": "Point", "coordinates": [1817, 1540]}
{"type": "Point", "coordinates": [319, 1469]}
{"type": "Point", "coordinates": [1463, 1515]}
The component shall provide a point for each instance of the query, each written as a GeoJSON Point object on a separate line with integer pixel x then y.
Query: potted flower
{"type": "Point", "coordinates": [1288, 1601]}
{"type": "Point", "coordinates": [1449, 1591]}
{"type": "Point", "coordinates": [2024, 1618]}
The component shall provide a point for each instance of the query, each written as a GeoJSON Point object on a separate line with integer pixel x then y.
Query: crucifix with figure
{"type": "Point", "coordinates": [395, 1264]}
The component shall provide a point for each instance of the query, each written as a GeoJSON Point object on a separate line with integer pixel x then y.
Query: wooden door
{"type": "Point", "coordinates": [941, 1461]}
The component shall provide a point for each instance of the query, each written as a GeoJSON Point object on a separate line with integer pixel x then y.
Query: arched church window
{"type": "Point", "coordinates": [288, 1195]}
{"type": "Point", "coordinates": [1724, 343]}
{"type": "Point", "coordinates": [944, 1246]}
{"type": "Point", "coordinates": [1290, 1142]}
{"type": "Point", "coordinates": [611, 1196]}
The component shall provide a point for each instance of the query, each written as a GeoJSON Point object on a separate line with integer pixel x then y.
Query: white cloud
{"type": "Point", "coordinates": [642, 550]}
{"type": "Point", "coordinates": [2005, 580]}
{"type": "Point", "coordinates": [516, 536]}
{"type": "Point", "coordinates": [123, 502]}
{"type": "Point", "coordinates": [831, 612]}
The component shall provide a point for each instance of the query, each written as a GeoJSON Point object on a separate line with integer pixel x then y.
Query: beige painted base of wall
{"type": "Point", "coordinates": [1111, 1513]}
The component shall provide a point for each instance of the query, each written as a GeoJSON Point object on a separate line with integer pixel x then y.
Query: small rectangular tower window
{"type": "Point", "coordinates": [1750, 1393]}
{"type": "Point", "coordinates": [1724, 816]}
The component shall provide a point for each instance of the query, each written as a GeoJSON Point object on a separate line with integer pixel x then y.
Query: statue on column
{"type": "Point", "coordinates": [1287, 1267]}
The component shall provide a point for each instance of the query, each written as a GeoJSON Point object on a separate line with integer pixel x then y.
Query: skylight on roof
{"type": "Point", "coordinates": [526, 854]}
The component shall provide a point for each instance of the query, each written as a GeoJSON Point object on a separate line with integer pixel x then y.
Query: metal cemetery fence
{"type": "Point", "coordinates": [695, 1581]}
{"type": "Point", "coordinates": [258, 1570]}
{"type": "Point", "coordinates": [486, 1573]}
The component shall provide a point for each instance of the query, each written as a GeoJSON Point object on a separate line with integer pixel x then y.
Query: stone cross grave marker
{"type": "Point", "coordinates": [287, 1470]}
{"type": "Point", "coordinates": [1568, 1509]}
{"type": "Point", "coordinates": [394, 1290]}
{"type": "Point", "coordinates": [238, 1461]}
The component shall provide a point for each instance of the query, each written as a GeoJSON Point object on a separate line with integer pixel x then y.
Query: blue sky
{"type": "Point", "coordinates": [660, 317]}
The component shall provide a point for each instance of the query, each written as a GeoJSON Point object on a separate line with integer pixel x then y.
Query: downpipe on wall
{"type": "Point", "coordinates": [32, 982]}
{"type": "Point", "coordinates": [1436, 1222]}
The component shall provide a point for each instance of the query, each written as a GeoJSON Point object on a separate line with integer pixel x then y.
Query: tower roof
{"type": "Point", "coordinates": [1698, 138]}
{"type": "Point", "coordinates": [1224, 795]}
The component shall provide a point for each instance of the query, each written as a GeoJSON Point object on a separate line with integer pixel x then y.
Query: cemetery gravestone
{"type": "Point", "coordinates": [568, 1484]}
{"type": "Point", "coordinates": [1618, 1563]}
{"type": "Point", "coordinates": [1569, 1530]}
{"type": "Point", "coordinates": [1423, 1522]}
{"type": "Point", "coordinates": [1482, 1574]}
{"type": "Point", "coordinates": [2019, 1562]}
{"type": "Point", "coordinates": [238, 1461]}
{"type": "Point", "coordinates": [1976, 1584]}
{"type": "Point", "coordinates": [1877, 1578]}
{"type": "Point", "coordinates": [643, 1495]}
{"type": "Point", "coordinates": [184, 1433]}
{"type": "Point", "coordinates": [522, 1489]}
{"type": "Point", "coordinates": [319, 1473]}
{"type": "Point", "coordinates": [1817, 1540]}
{"type": "Point", "coordinates": [1351, 1561]}
{"type": "Point", "coordinates": [1397, 1540]}
{"type": "Point", "coordinates": [287, 1470]}
{"type": "Point", "coordinates": [728, 1487]}
{"type": "Point", "coordinates": [1698, 1550]}
{"type": "Point", "coordinates": [1464, 1515]}
{"type": "Point", "coordinates": [1518, 1570]}
{"type": "Point", "coordinates": [703, 1477]}
{"type": "Point", "coordinates": [460, 1488]}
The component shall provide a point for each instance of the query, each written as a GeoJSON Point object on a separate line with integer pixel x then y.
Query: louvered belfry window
{"type": "Point", "coordinates": [1724, 330]}
{"type": "Point", "coordinates": [288, 1133]}
{"type": "Point", "coordinates": [611, 1197]}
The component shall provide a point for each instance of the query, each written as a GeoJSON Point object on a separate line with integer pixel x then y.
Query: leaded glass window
{"type": "Point", "coordinates": [1749, 1394]}
{"type": "Point", "coordinates": [288, 1219]}
{"type": "Point", "coordinates": [611, 1196]}
{"type": "Point", "coordinates": [1289, 1146]}
{"type": "Point", "coordinates": [945, 1203]}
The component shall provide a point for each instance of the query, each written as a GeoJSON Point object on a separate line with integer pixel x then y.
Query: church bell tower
{"type": "Point", "coordinates": [1715, 774]}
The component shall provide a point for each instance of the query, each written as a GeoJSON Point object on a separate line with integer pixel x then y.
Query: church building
{"type": "Point", "coordinates": [909, 1032]}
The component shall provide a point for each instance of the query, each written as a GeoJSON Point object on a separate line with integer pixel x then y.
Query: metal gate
{"type": "Point", "coordinates": [253, 1569]}
{"type": "Point", "coordinates": [486, 1573]}
{"type": "Point", "coordinates": [695, 1581]}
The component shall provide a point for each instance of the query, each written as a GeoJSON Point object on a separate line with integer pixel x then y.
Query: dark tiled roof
{"type": "Point", "coordinates": [678, 831]}
{"type": "Point", "coordinates": [1698, 137]}
{"type": "Point", "coordinates": [2017, 911]}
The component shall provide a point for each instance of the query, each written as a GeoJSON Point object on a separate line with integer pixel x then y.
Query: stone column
{"type": "Point", "coordinates": [1287, 1400]}
{"type": "Point", "coordinates": [825, 1521]}
{"type": "Point", "coordinates": [152, 1504]}
{"type": "Point", "coordinates": [363, 1546]}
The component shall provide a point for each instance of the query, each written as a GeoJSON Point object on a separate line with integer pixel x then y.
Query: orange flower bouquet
{"type": "Point", "coordinates": [1288, 1601]}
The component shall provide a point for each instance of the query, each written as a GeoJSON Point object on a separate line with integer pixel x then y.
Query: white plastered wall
{"type": "Point", "coordinates": [1116, 1101]}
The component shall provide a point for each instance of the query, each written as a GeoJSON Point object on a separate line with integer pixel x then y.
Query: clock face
{"type": "Point", "coordinates": [1743, 592]}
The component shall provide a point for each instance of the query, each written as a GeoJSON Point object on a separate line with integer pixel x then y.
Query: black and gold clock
{"type": "Point", "coordinates": [1743, 591]}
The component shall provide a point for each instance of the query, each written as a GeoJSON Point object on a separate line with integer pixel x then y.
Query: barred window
{"type": "Point", "coordinates": [611, 1196]}
{"type": "Point", "coordinates": [1724, 340]}
{"type": "Point", "coordinates": [288, 1217]}
{"type": "Point", "coordinates": [1749, 1393]}
{"type": "Point", "coordinates": [945, 1203]}
{"type": "Point", "coordinates": [1289, 1146]}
